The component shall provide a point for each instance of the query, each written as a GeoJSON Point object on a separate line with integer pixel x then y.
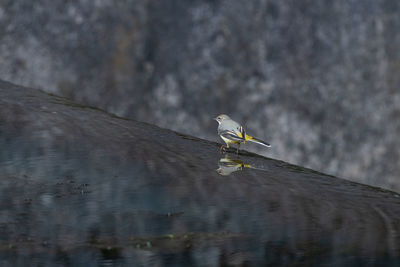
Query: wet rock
{"type": "Point", "coordinates": [81, 185]}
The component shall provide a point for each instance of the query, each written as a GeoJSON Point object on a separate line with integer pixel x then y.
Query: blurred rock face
{"type": "Point", "coordinates": [318, 80]}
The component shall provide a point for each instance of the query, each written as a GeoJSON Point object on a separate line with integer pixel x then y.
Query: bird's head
{"type": "Point", "coordinates": [220, 118]}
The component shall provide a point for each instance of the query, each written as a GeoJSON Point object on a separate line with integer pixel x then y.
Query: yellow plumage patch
{"type": "Point", "coordinates": [248, 137]}
{"type": "Point", "coordinates": [228, 141]}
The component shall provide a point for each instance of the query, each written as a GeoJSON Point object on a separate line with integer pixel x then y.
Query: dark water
{"type": "Point", "coordinates": [79, 187]}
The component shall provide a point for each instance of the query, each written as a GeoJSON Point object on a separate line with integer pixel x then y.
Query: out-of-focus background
{"type": "Point", "coordinates": [319, 80]}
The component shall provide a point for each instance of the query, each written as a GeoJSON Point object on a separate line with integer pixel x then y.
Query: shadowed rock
{"type": "Point", "coordinates": [79, 185]}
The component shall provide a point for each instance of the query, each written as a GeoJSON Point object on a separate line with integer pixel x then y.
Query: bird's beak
{"type": "Point", "coordinates": [215, 119]}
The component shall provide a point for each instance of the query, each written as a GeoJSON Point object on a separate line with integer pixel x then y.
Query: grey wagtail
{"type": "Point", "coordinates": [232, 133]}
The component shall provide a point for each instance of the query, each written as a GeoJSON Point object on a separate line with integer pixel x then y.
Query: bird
{"type": "Point", "coordinates": [233, 133]}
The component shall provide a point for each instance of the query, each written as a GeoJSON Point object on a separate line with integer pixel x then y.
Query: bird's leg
{"type": "Point", "coordinates": [222, 149]}
{"type": "Point", "coordinates": [238, 146]}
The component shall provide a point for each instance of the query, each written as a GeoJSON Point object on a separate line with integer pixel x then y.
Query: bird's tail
{"type": "Point", "coordinates": [255, 140]}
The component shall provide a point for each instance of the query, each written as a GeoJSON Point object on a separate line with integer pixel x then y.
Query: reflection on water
{"type": "Point", "coordinates": [228, 165]}
{"type": "Point", "coordinates": [104, 191]}
{"type": "Point", "coordinates": [232, 163]}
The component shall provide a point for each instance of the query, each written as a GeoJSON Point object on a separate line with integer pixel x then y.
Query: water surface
{"type": "Point", "coordinates": [81, 187]}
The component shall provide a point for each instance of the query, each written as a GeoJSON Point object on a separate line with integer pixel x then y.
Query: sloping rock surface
{"type": "Point", "coordinates": [79, 186]}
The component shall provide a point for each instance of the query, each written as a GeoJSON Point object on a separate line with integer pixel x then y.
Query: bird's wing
{"type": "Point", "coordinates": [242, 133]}
{"type": "Point", "coordinates": [231, 135]}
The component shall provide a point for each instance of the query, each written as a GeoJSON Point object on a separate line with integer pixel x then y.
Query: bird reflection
{"type": "Point", "coordinates": [228, 164]}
